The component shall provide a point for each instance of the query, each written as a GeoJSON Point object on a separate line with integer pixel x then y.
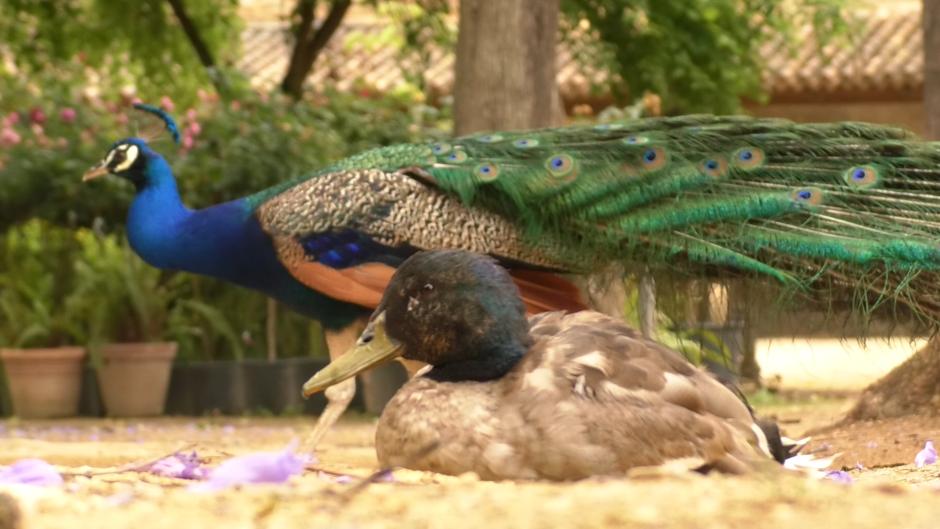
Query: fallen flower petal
{"type": "Point", "coordinates": [262, 467]}
{"type": "Point", "coordinates": [182, 466]}
{"type": "Point", "coordinates": [385, 476]}
{"type": "Point", "coordinates": [30, 472]}
{"type": "Point", "coordinates": [927, 456]}
{"type": "Point", "coordinates": [839, 476]}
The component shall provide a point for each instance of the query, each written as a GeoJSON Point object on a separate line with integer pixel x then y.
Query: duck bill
{"type": "Point", "coordinates": [95, 172]}
{"type": "Point", "coordinates": [373, 347]}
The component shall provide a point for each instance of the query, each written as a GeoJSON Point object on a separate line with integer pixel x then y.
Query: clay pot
{"type": "Point", "coordinates": [134, 377]}
{"type": "Point", "coordinates": [44, 383]}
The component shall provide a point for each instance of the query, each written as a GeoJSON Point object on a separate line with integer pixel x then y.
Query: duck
{"type": "Point", "coordinates": [555, 396]}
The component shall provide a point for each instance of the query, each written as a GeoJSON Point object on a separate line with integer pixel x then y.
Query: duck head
{"type": "Point", "coordinates": [457, 311]}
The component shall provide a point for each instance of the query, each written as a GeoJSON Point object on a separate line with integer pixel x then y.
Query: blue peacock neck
{"type": "Point", "coordinates": [224, 241]}
{"type": "Point", "coordinates": [157, 215]}
{"type": "Point", "coordinates": [213, 241]}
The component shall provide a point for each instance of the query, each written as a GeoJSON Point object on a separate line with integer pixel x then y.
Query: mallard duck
{"type": "Point", "coordinates": [557, 396]}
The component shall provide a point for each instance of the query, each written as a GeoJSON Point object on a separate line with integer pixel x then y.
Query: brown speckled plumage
{"type": "Point", "coordinates": [393, 209]}
{"type": "Point", "coordinates": [591, 397]}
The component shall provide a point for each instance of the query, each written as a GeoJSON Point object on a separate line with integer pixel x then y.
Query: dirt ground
{"type": "Point", "coordinates": [888, 491]}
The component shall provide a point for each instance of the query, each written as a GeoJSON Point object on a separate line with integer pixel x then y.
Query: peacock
{"type": "Point", "coordinates": [819, 209]}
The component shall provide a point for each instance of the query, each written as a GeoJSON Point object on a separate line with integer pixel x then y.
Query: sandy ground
{"type": "Point", "coordinates": [893, 496]}
{"type": "Point", "coordinates": [831, 363]}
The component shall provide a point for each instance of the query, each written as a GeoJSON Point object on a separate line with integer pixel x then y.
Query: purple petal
{"type": "Point", "coordinates": [30, 472]}
{"type": "Point", "coordinates": [261, 467]}
{"type": "Point", "coordinates": [927, 456]}
{"type": "Point", "coordinates": [385, 476]}
{"type": "Point", "coordinates": [182, 466]}
{"type": "Point", "coordinates": [839, 476]}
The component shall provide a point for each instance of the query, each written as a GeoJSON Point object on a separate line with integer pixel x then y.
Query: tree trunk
{"type": "Point", "coordinates": [930, 18]}
{"type": "Point", "coordinates": [505, 71]}
{"type": "Point", "coordinates": [911, 388]}
{"type": "Point", "coordinates": [308, 43]}
{"type": "Point", "coordinates": [199, 45]}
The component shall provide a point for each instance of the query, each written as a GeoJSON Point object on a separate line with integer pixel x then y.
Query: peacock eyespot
{"type": "Point", "coordinates": [714, 167]}
{"type": "Point", "coordinates": [653, 158]}
{"type": "Point", "coordinates": [862, 177]}
{"type": "Point", "coordinates": [457, 156]}
{"type": "Point", "coordinates": [807, 196]}
{"type": "Point", "coordinates": [487, 171]}
{"type": "Point", "coordinates": [526, 143]}
{"type": "Point", "coordinates": [608, 126]}
{"type": "Point", "coordinates": [748, 158]}
{"type": "Point", "coordinates": [440, 148]}
{"type": "Point", "coordinates": [490, 138]}
{"type": "Point", "coordinates": [561, 166]}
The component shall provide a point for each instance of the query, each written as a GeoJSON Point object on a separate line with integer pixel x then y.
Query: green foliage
{"type": "Point", "coordinates": [125, 299]}
{"type": "Point", "coordinates": [698, 55]}
{"type": "Point", "coordinates": [50, 135]}
{"type": "Point", "coordinates": [139, 39]}
{"type": "Point", "coordinates": [36, 286]}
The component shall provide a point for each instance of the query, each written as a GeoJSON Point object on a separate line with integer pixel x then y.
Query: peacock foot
{"type": "Point", "coordinates": [338, 398]}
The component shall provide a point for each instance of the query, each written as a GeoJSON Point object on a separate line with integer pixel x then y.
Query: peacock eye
{"type": "Point", "coordinates": [428, 286]}
{"type": "Point", "coordinates": [122, 158]}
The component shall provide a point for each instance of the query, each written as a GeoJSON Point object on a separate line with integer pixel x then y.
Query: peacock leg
{"type": "Point", "coordinates": [340, 395]}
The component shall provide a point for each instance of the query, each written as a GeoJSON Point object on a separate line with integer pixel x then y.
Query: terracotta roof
{"type": "Point", "coordinates": [882, 58]}
{"type": "Point", "coordinates": [882, 54]}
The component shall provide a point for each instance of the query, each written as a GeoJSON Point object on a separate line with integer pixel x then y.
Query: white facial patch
{"type": "Point", "coordinates": [130, 155]}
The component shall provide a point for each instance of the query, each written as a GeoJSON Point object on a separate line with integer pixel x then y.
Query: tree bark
{"type": "Point", "coordinates": [505, 71]}
{"type": "Point", "coordinates": [911, 388]}
{"type": "Point", "coordinates": [308, 43]}
{"type": "Point", "coordinates": [930, 18]}
{"type": "Point", "coordinates": [199, 45]}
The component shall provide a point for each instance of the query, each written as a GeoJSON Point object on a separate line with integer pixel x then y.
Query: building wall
{"type": "Point", "coordinates": [906, 114]}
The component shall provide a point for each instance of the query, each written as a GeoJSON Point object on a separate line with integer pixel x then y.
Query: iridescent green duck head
{"type": "Point", "coordinates": [456, 310]}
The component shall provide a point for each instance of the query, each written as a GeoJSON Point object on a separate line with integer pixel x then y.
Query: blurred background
{"type": "Point", "coordinates": [268, 89]}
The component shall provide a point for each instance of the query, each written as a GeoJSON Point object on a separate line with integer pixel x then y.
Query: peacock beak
{"type": "Point", "coordinates": [374, 347]}
{"type": "Point", "coordinates": [97, 171]}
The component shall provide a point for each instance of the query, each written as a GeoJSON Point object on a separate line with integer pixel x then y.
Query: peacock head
{"type": "Point", "coordinates": [132, 158]}
{"type": "Point", "coordinates": [456, 310]}
{"type": "Point", "coordinates": [127, 158]}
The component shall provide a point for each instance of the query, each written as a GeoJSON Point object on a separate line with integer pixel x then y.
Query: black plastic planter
{"type": "Point", "coordinates": [274, 387]}
{"type": "Point", "coordinates": [204, 388]}
{"type": "Point", "coordinates": [89, 404]}
{"type": "Point", "coordinates": [254, 387]}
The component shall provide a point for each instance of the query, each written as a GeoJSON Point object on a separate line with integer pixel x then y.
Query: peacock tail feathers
{"type": "Point", "coordinates": [814, 206]}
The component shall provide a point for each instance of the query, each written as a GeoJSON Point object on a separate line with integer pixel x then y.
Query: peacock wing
{"type": "Point", "coordinates": [344, 232]}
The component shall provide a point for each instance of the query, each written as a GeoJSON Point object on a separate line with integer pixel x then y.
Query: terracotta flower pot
{"type": "Point", "coordinates": [134, 377]}
{"type": "Point", "coordinates": [44, 383]}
